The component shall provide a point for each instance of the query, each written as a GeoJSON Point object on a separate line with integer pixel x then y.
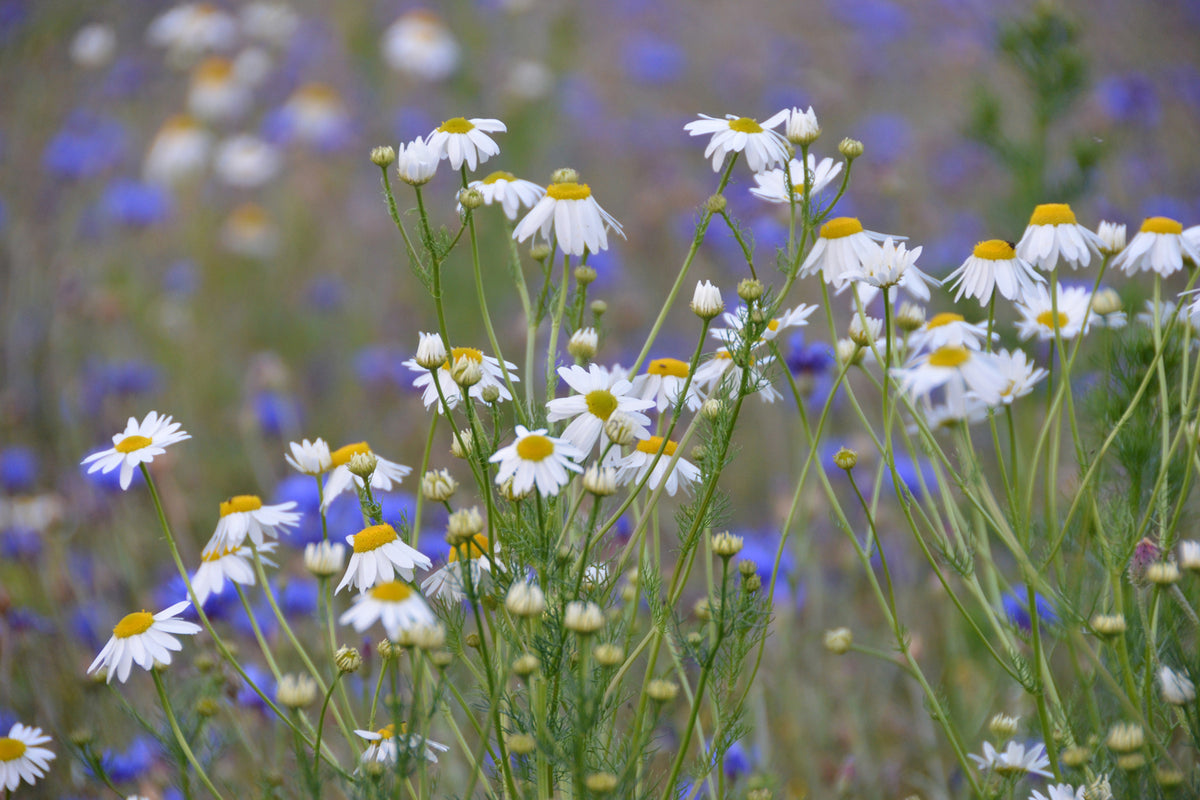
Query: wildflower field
{"type": "Point", "coordinates": [546, 399]}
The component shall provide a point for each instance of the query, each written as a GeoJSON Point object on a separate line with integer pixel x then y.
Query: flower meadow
{"type": "Point", "coordinates": [397, 404]}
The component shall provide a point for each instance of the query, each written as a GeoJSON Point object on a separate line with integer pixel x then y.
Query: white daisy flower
{"type": "Point", "coordinates": [1013, 759]}
{"type": "Point", "coordinates": [310, 458]}
{"type": "Point", "coordinates": [416, 162]}
{"type": "Point", "coordinates": [972, 370]}
{"type": "Point", "coordinates": [772, 184]}
{"type": "Point", "coordinates": [1112, 235]}
{"type": "Point", "coordinates": [21, 756]}
{"type": "Point", "coordinates": [764, 147]}
{"type": "Point", "coordinates": [958, 405]}
{"type": "Point", "coordinates": [535, 459]}
{"type": "Point", "coordinates": [1061, 791]}
{"type": "Point", "coordinates": [138, 444]}
{"type": "Point", "coordinates": [379, 555]}
{"type": "Point", "coordinates": [1037, 313]}
{"type": "Point", "coordinates": [1020, 375]}
{"type": "Point", "coordinates": [662, 382]}
{"type": "Point", "coordinates": [890, 264]}
{"type": "Point", "coordinates": [462, 140]}
{"type": "Point", "coordinates": [384, 745]}
{"type": "Point", "coordinates": [145, 639]}
{"type": "Point", "coordinates": [1159, 246]}
{"type": "Point", "coordinates": [316, 114]}
{"type": "Point", "coordinates": [192, 28]}
{"type": "Point", "coordinates": [789, 318]}
{"type": "Point", "coordinates": [449, 581]}
{"type": "Point", "coordinates": [245, 515]}
{"type": "Point", "coordinates": [216, 95]}
{"type": "Point", "coordinates": [93, 45]}
{"type": "Point", "coordinates": [721, 371]}
{"type": "Point", "coordinates": [948, 330]}
{"type": "Point", "coordinates": [994, 266]}
{"type": "Point", "coordinates": [420, 45]}
{"type": "Point", "coordinates": [179, 151]}
{"type": "Point", "coordinates": [1053, 233]}
{"type": "Point", "coordinates": [250, 231]}
{"type": "Point", "coordinates": [218, 565]}
{"type": "Point", "coordinates": [840, 249]}
{"type": "Point", "coordinates": [578, 221]}
{"type": "Point", "coordinates": [492, 376]}
{"type": "Point", "coordinates": [394, 603]}
{"type": "Point", "coordinates": [387, 474]}
{"type": "Point", "coordinates": [1177, 687]}
{"type": "Point", "coordinates": [508, 191]}
{"type": "Point", "coordinates": [270, 22]}
{"type": "Point", "coordinates": [246, 161]}
{"type": "Point", "coordinates": [600, 394]}
{"type": "Point", "coordinates": [633, 467]}
{"type": "Point", "coordinates": [802, 126]}
{"type": "Point", "coordinates": [1192, 236]}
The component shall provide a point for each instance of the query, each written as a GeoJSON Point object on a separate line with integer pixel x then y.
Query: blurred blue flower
{"type": "Point", "coordinates": [119, 379]}
{"type": "Point", "coordinates": [297, 597]}
{"type": "Point", "coordinates": [761, 549]}
{"type": "Point", "coordinates": [20, 544]}
{"type": "Point", "coordinates": [18, 469]}
{"type": "Point", "coordinates": [958, 164]}
{"type": "Point", "coordinates": [325, 293]}
{"type": "Point", "coordinates": [26, 620]}
{"type": "Point", "coordinates": [382, 365]}
{"type": "Point", "coordinates": [809, 359]}
{"type": "Point", "coordinates": [887, 137]}
{"type": "Point", "coordinates": [109, 482]}
{"type": "Point", "coordinates": [409, 122]}
{"type": "Point", "coordinates": [125, 78]}
{"type": "Point", "coordinates": [911, 472]}
{"type": "Point", "coordinates": [216, 606]}
{"type": "Point", "coordinates": [278, 414]}
{"type": "Point", "coordinates": [878, 20]}
{"type": "Point", "coordinates": [181, 278]}
{"type": "Point", "coordinates": [1130, 98]}
{"type": "Point", "coordinates": [246, 696]}
{"type": "Point", "coordinates": [610, 269]}
{"type": "Point", "coordinates": [133, 762]}
{"type": "Point", "coordinates": [1016, 608]}
{"type": "Point", "coordinates": [13, 14]}
{"type": "Point", "coordinates": [650, 59]}
{"type": "Point", "coordinates": [87, 145]}
{"type": "Point", "coordinates": [739, 761]}
{"type": "Point", "coordinates": [135, 204]}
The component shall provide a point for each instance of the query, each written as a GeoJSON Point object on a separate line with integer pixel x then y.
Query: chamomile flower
{"type": "Point", "coordinates": [245, 516]}
{"type": "Point", "coordinates": [189, 29]}
{"type": "Point", "coordinates": [772, 184]}
{"type": "Point", "coordinates": [489, 366]}
{"type": "Point", "coordinates": [535, 459]}
{"type": "Point", "coordinates": [93, 45]}
{"type": "Point", "coordinates": [139, 444]}
{"type": "Point", "coordinates": [763, 146]}
{"type": "Point", "coordinates": [393, 603]}
{"type": "Point", "coordinates": [1020, 375]}
{"type": "Point", "coordinates": [387, 474]}
{"type": "Point", "coordinates": [21, 756]}
{"type": "Point", "coordinates": [663, 381]}
{"type": "Point", "coordinates": [948, 330]}
{"type": "Point", "coordinates": [576, 219]}
{"type": "Point", "coordinates": [179, 151]}
{"type": "Point", "coordinates": [508, 191]}
{"type": "Point", "coordinates": [233, 564]}
{"type": "Point", "coordinates": [379, 555]}
{"type": "Point", "coordinates": [890, 264]}
{"type": "Point", "coordinates": [840, 250]}
{"type": "Point", "coordinates": [972, 370]}
{"type": "Point", "coordinates": [246, 161]}
{"type": "Point", "coordinates": [385, 744]}
{"type": "Point", "coordinates": [465, 141]}
{"type": "Point", "coordinates": [449, 581]}
{"type": "Point", "coordinates": [1014, 759]}
{"type": "Point", "coordinates": [250, 231]}
{"type": "Point", "coordinates": [958, 405]}
{"type": "Point", "coordinates": [310, 458]}
{"type": "Point", "coordinates": [316, 115]}
{"type": "Point", "coordinates": [217, 94]}
{"type": "Point", "coordinates": [1037, 313]}
{"type": "Point", "coordinates": [1159, 246]}
{"type": "Point", "coordinates": [635, 466]}
{"type": "Point", "coordinates": [599, 394]}
{"type": "Point", "coordinates": [789, 318]}
{"type": "Point", "coordinates": [145, 639]}
{"type": "Point", "coordinates": [994, 266]}
{"type": "Point", "coordinates": [721, 371]}
{"type": "Point", "coordinates": [1061, 791]}
{"type": "Point", "coordinates": [1053, 233]}
{"type": "Point", "coordinates": [420, 45]}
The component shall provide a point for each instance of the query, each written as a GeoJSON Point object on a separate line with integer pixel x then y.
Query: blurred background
{"type": "Point", "coordinates": [189, 223]}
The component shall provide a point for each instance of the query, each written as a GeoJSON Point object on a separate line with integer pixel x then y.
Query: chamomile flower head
{"type": "Point", "coordinates": [642, 462]}
{"type": "Point", "coordinates": [491, 376]}
{"type": "Point", "coordinates": [947, 330]}
{"type": "Point", "coordinates": [394, 603]}
{"type": "Point", "coordinates": [599, 394]}
{"type": "Point", "coordinates": [22, 757]}
{"type": "Point", "coordinates": [840, 250]}
{"type": "Point", "coordinates": [139, 444]}
{"type": "Point", "coordinates": [310, 458]}
{"type": "Point", "coordinates": [788, 318]}
{"type": "Point", "coordinates": [246, 161]}
{"type": "Point", "coordinates": [244, 516]}
{"type": "Point", "coordinates": [189, 29]}
{"type": "Point", "coordinates": [722, 375]}
{"type": "Point", "coordinates": [387, 474]}
{"type": "Point", "coordinates": [972, 370]}
{"type": "Point", "coordinates": [386, 743]}
{"type": "Point", "coordinates": [420, 45]}
{"type": "Point", "coordinates": [507, 191]}
{"type": "Point", "coordinates": [179, 151]}
{"type": "Point", "coordinates": [93, 45]}
{"type": "Point", "coordinates": [663, 381]}
{"type": "Point", "coordinates": [1159, 246]}
{"type": "Point", "coordinates": [234, 564]}
{"type": "Point", "coordinates": [465, 141]}
{"type": "Point", "coordinates": [316, 115]}
{"type": "Point", "coordinates": [994, 266]}
{"type": "Point", "coordinates": [573, 215]}
{"type": "Point", "coordinates": [1038, 313]}
{"type": "Point", "coordinates": [379, 555]}
{"type": "Point", "coordinates": [536, 460]}
{"type": "Point", "coordinates": [958, 405]}
{"type": "Point", "coordinates": [1020, 375]}
{"type": "Point", "coordinates": [250, 231]}
{"type": "Point", "coordinates": [764, 147]}
{"type": "Point", "coordinates": [1052, 234]}
{"type": "Point", "coordinates": [1061, 791]}
{"type": "Point", "coordinates": [773, 184]}
{"type": "Point", "coordinates": [416, 162]}
{"type": "Point", "coordinates": [217, 94]}
{"type": "Point", "coordinates": [890, 264]}
{"type": "Point", "coordinates": [450, 581]}
{"type": "Point", "coordinates": [1015, 759]}
{"type": "Point", "coordinates": [145, 639]}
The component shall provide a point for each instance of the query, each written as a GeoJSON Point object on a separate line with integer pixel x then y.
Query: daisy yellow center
{"type": "Point", "coordinates": [131, 443]}
{"type": "Point", "coordinates": [773, 325]}
{"type": "Point", "coordinates": [240, 503]}
{"type": "Point", "coordinates": [945, 318]}
{"type": "Point", "coordinates": [457, 125]}
{"type": "Point", "coordinates": [995, 250]}
{"type": "Point", "coordinates": [373, 538]}
{"type": "Point", "coordinates": [535, 448]}
{"type": "Point", "coordinates": [723, 355]}
{"type": "Point", "coordinates": [178, 124]}
{"type": "Point", "coordinates": [318, 92]}
{"type": "Point", "coordinates": [1161, 225]}
{"type": "Point", "coordinates": [343, 454]}
{"type": "Point", "coordinates": [214, 70]}
{"type": "Point", "coordinates": [475, 548]}
{"type": "Point", "coordinates": [217, 555]}
{"type": "Point", "coordinates": [745, 125]}
{"type": "Point", "coordinates": [654, 444]}
{"type": "Point", "coordinates": [568, 191]}
{"type": "Point", "coordinates": [668, 366]}
{"type": "Point", "coordinates": [392, 592]}
{"type": "Point", "coordinates": [466, 352]}
{"type": "Point", "coordinates": [601, 403]}
{"type": "Point", "coordinates": [11, 749]}
{"type": "Point", "coordinates": [1052, 214]}
{"type": "Point", "coordinates": [1046, 318]}
{"type": "Point", "coordinates": [952, 356]}
{"type": "Point", "coordinates": [133, 624]}
{"type": "Point", "coordinates": [499, 176]}
{"type": "Point", "coordinates": [841, 227]}
{"type": "Point", "coordinates": [389, 731]}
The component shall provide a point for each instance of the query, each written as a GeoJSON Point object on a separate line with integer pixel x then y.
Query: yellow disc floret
{"type": "Point", "coordinates": [745, 125]}
{"type": "Point", "coordinates": [392, 591]}
{"type": "Point", "coordinates": [476, 546]}
{"type": "Point", "coordinates": [131, 443]}
{"type": "Point", "coordinates": [240, 503]}
{"type": "Point", "coordinates": [1052, 214]}
{"type": "Point", "coordinates": [950, 356]}
{"type": "Point", "coordinates": [601, 403]}
{"type": "Point", "coordinates": [841, 227]}
{"type": "Point", "coordinates": [655, 443]}
{"type": "Point", "coordinates": [343, 454]}
{"type": "Point", "coordinates": [668, 366]}
{"type": "Point", "coordinates": [535, 448]}
{"type": "Point", "coordinates": [457, 125]}
{"type": "Point", "coordinates": [499, 175]}
{"type": "Point", "coordinates": [1046, 318]}
{"type": "Point", "coordinates": [1161, 225]}
{"type": "Point", "coordinates": [995, 250]}
{"type": "Point", "coordinates": [133, 624]}
{"type": "Point", "coordinates": [374, 537]}
{"type": "Point", "coordinates": [945, 318]}
{"type": "Point", "coordinates": [11, 749]}
{"type": "Point", "coordinates": [569, 191]}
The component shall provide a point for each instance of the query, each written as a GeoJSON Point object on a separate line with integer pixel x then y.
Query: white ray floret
{"type": "Point", "coordinates": [144, 639]}
{"type": "Point", "coordinates": [139, 444]}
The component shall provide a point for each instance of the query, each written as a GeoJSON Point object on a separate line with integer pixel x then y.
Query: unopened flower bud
{"type": "Point", "coordinates": [583, 617]}
{"type": "Point", "coordinates": [1189, 555]}
{"type": "Point", "coordinates": [838, 640]}
{"type": "Point", "coordinates": [347, 659]}
{"type": "Point", "coordinates": [441, 658]}
{"type": "Point", "coordinates": [511, 495]}
{"type": "Point", "coordinates": [865, 333]}
{"type": "Point", "coordinates": [526, 665]}
{"type": "Point", "coordinates": [747, 567]}
{"type": "Point", "coordinates": [1125, 737]}
{"type": "Point", "coordinates": [619, 429]}
{"type": "Point", "coordinates": [583, 344]}
{"type": "Point", "coordinates": [706, 300]}
{"type": "Point", "coordinates": [662, 691]}
{"type": "Point", "coordinates": [1075, 757]}
{"type": "Point", "coordinates": [324, 559]}
{"type": "Point", "coordinates": [1112, 237]}
{"type": "Point", "coordinates": [1168, 777]}
{"type": "Point", "coordinates": [429, 637]}
{"type": "Point", "coordinates": [388, 649]}
{"type": "Point", "coordinates": [525, 600]}
{"type": "Point", "coordinates": [846, 459]}
{"type": "Point", "coordinates": [1131, 762]}
{"type": "Point", "coordinates": [702, 610]}
{"type": "Point", "coordinates": [296, 691]}
{"type": "Point", "coordinates": [850, 148]}
{"type": "Point", "coordinates": [802, 129]}
{"type": "Point", "coordinates": [712, 408]}
{"type": "Point", "coordinates": [600, 481]}
{"type": "Point", "coordinates": [600, 782]}
{"type": "Point", "coordinates": [564, 175]}
{"type": "Point", "coordinates": [383, 156]}
{"type": "Point", "coordinates": [585, 274]}
{"type": "Point", "coordinates": [438, 485]}
{"type": "Point", "coordinates": [206, 707]}
{"type": "Point", "coordinates": [472, 640]}
{"type": "Point", "coordinates": [490, 393]}
{"type": "Point", "coordinates": [463, 526]}
{"type": "Point", "coordinates": [1162, 573]}
{"type": "Point", "coordinates": [466, 372]}
{"type": "Point", "coordinates": [910, 317]}
{"type": "Point", "coordinates": [363, 464]}
{"type": "Point", "coordinates": [462, 443]}
{"type": "Point", "coordinates": [726, 545]}
{"type": "Point", "coordinates": [761, 793]}
{"type": "Point", "coordinates": [1106, 301]}
{"type": "Point", "coordinates": [540, 251]}
{"type": "Point", "coordinates": [470, 199]}
{"type": "Point", "coordinates": [599, 307]}
{"type": "Point", "coordinates": [847, 352]}
{"type": "Point", "coordinates": [715, 204]}
{"type": "Point", "coordinates": [82, 737]}
{"type": "Point", "coordinates": [431, 351]}
{"type": "Point", "coordinates": [752, 582]}
{"type": "Point", "coordinates": [750, 290]}
{"type": "Point", "coordinates": [1003, 726]}
{"type": "Point", "coordinates": [608, 654]}
{"type": "Point", "coordinates": [1108, 625]}
{"type": "Point", "coordinates": [521, 744]}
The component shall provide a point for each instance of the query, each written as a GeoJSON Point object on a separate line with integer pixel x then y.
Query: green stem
{"type": "Point", "coordinates": [179, 737]}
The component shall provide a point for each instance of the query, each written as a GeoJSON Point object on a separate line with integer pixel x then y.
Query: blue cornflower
{"type": "Point", "coordinates": [809, 359]}
{"type": "Point", "coordinates": [1016, 608]}
{"type": "Point", "coordinates": [325, 293]}
{"type": "Point", "coordinates": [87, 145]}
{"type": "Point", "coordinates": [653, 60]}
{"type": "Point", "coordinates": [246, 696]}
{"type": "Point", "coordinates": [739, 761]}
{"type": "Point", "coordinates": [132, 763]}
{"type": "Point", "coordinates": [1130, 98]}
{"type": "Point", "coordinates": [18, 469]}
{"type": "Point", "coordinates": [20, 544]}
{"type": "Point", "coordinates": [278, 414]}
{"type": "Point", "coordinates": [136, 204]}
